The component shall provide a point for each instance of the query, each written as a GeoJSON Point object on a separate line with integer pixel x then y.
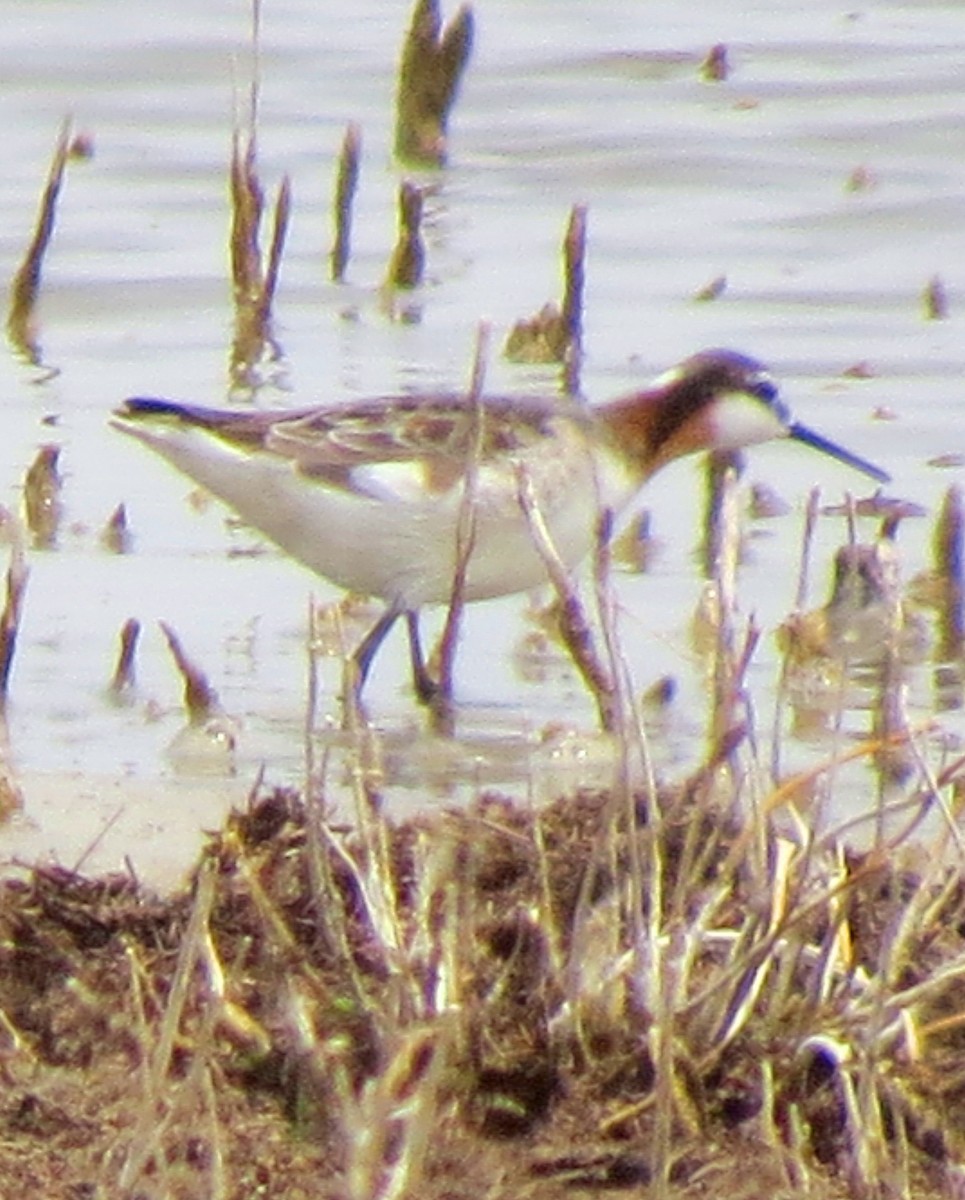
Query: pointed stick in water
{"type": "Point", "coordinates": [574, 280]}
{"type": "Point", "coordinates": [934, 299]}
{"type": "Point", "coordinates": [282, 216]}
{"type": "Point", "coordinates": [345, 189]}
{"type": "Point", "coordinates": [807, 542]}
{"type": "Point", "coordinates": [41, 496]}
{"type": "Point", "coordinates": [200, 698]}
{"type": "Point", "coordinates": [430, 72]}
{"type": "Point", "coordinates": [21, 328]}
{"type": "Point", "coordinates": [465, 539]}
{"type": "Point", "coordinates": [116, 536]}
{"type": "Point", "coordinates": [17, 575]}
{"type": "Point", "coordinates": [407, 264]}
{"type": "Point", "coordinates": [122, 680]}
{"type": "Point", "coordinates": [715, 66]}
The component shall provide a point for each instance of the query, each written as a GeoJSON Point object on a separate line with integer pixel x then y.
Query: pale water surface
{"type": "Point", "coordinates": [567, 100]}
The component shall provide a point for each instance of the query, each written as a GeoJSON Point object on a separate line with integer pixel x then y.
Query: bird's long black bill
{"type": "Point", "coordinates": [801, 433]}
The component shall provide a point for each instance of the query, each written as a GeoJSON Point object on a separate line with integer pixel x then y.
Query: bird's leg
{"type": "Point", "coordinates": [426, 688]}
{"type": "Point", "coordinates": [368, 648]}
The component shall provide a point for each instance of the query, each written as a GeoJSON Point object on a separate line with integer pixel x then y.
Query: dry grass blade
{"type": "Point", "coordinates": [21, 326]}
{"type": "Point", "coordinates": [345, 189]}
{"type": "Point", "coordinates": [147, 1137]}
{"type": "Point", "coordinates": [430, 72]}
{"type": "Point", "coordinates": [442, 709]}
{"type": "Point", "coordinates": [388, 1126]}
{"type": "Point", "coordinates": [575, 627]}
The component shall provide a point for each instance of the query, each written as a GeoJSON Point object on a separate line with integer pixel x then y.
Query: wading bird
{"type": "Point", "coordinates": [369, 494]}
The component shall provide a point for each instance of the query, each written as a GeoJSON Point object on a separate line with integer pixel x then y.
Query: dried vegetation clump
{"type": "Point", "coordinates": [613, 992]}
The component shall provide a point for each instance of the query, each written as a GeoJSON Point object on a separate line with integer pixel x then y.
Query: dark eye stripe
{"type": "Point", "coordinates": [765, 389]}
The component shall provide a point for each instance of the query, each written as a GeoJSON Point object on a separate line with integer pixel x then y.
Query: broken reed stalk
{"type": "Point", "coordinates": [442, 708]}
{"type": "Point", "coordinates": [717, 464]}
{"type": "Point", "coordinates": [554, 335]}
{"type": "Point", "coordinates": [247, 205]}
{"type": "Point", "coordinates": [575, 628]}
{"type": "Point", "coordinates": [255, 294]}
{"type": "Point", "coordinates": [408, 260]}
{"type": "Point", "coordinates": [345, 188]}
{"type": "Point", "coordinates": [247, 197]}
{"type": "Point", "coordinates": [17, 575]}
{"type": "Point", "coordinates": [254, 283]}
{"type": "Point", "coordinates": [430, 71]}
{"type": "Point", "coordinates": [21, 327]}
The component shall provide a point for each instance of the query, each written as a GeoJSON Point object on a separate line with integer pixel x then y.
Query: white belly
{"type": "Point", "coordinates": [400, 544]}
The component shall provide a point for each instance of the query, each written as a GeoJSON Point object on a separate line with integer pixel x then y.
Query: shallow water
{"type": "Point", "coordinates": [565, 102]}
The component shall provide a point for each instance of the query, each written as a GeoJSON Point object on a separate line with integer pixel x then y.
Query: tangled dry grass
{"type": "Point", "coordinates": [615, 991]}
